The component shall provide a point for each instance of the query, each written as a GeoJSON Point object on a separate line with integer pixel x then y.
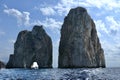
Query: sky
{"type": "Point", "coordinates": [18, 15]}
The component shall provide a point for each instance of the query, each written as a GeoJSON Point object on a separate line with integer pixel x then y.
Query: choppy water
{"type": "Point", "coordinates": [60, 74]}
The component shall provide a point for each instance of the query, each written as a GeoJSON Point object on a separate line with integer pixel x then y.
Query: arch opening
{"type": "Point", "coordinates": [35, 65]}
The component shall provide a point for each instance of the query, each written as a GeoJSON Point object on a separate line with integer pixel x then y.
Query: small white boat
{"type": "Point", "coordinates": [34, 65]}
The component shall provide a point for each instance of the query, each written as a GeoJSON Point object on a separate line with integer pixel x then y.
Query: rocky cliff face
{"type": "Point", "coordinates": [2, 65]}
{"type": "Point", "coordinates": [79, 43]}
{"type": "Point", "coordinates": [32, 46]}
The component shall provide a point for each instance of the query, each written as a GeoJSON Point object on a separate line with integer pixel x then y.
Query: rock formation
{"type": "Point", "coordinates": [32, 46]}
{"type": "Point", "coordinates": [79, 43]}
{"type": "Point", "coordinates": [2, 65]}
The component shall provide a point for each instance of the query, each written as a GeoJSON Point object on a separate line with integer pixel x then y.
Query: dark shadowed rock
{"type": "Point", "coordinates": [79, 43]}
{"type": "Point", "coordinates": [2, 65]}
{"type": "Point", "coordinates": [32, 46]}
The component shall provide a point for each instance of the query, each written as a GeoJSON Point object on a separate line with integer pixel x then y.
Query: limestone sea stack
{"type": "Point", "coordinates": [79, 44]}
{"type": "Point", "coordinates": [32, 46]}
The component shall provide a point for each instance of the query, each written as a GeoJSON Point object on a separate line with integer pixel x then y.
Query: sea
{"type": "Point", "coordinates": [61, 74]}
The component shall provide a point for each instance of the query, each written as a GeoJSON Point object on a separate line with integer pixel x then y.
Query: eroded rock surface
{"type": "Point", "coordinates": [32, 46]}
{"type": "Point", "coordinates": [79, 43]}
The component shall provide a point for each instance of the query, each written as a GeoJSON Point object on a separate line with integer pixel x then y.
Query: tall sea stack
{"type": "Point", "coordinates": [79, 44]}
{"type": "Point", "coordinates": [32, 46]}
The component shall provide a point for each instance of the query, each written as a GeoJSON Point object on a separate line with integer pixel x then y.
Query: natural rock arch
{"type": "Point", "coordinates": [32, 46]}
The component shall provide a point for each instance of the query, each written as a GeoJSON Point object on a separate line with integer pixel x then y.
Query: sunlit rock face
{"type": "Point", "coordinates": [79, 43]}
{"type": "Point", "coordinates": [32, 46]}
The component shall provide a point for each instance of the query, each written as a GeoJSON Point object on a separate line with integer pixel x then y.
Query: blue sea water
{"type": "Point", "coordinates": [61, 74]}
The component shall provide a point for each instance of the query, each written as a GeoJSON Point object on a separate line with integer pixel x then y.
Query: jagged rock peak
{"type": "Point", "coordinates": [38, 29]}
{"type": "Point", "coordinates": [77, 10]}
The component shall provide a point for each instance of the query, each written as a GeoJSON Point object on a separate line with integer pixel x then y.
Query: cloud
{"type": "Point", "coordinates": [5, 6]}
{"type": "Point", "coordinates": [114, 25]}
{"type": "Point", "coordinates": [109, 26]}
{"type": "Point", "coordinates": [109, 31]}
{"type": "Point", "coordinates": [102, 4]}
{"type": "Point", "coordinates": [100, 25]}
{"type": "Point", "coordinates": [112, 53]}
{"type": "Point", "coordinates": [50, 23]}
{"type": "Point", "coordinates": [111, 49]}
{"type": "Point", "coordinates": [63, 7]}
{"type": "Point", "coordinates": [47, 11]}
{"type": "Point", "coordinates": [22, 17]}
{"type": "Point", "coordinates": [2, 33]}
{"type": "Point", "coordinates": [26, 18]}
{"type": "Point", "coordinates": [11, 41]}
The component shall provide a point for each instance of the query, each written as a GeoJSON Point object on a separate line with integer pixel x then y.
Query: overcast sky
{"type": "Point", "coordinates": [17, 15]}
